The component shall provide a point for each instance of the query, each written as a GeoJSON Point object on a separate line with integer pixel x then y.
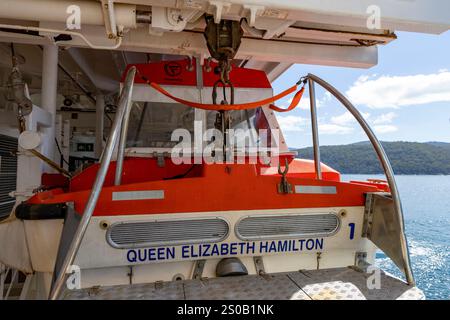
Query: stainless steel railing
{"type": "Point", "coordinates": [379, 151]}
{"type": "Point", "coordinates": [120, 125]}
{"type": "Point", "coordinates": [314, 128]}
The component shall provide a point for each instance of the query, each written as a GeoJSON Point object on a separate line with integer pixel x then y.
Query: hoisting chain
{"type": "Point", "coordinates": [21, 120]}
{"type": "Point", "coordinates": [223, 40]}
{"type": "Point", "coordinates": [223, 119]}
{"type": "Point", "coordinates": [224, 69]}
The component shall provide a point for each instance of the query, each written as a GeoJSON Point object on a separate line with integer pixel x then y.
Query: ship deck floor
{"type": "Point", "coordinates": [337, 284]}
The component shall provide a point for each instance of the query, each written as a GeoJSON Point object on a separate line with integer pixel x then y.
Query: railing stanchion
{"type": "Point", "coordinates": [122, 144]}
{"type": "Point", "coordinates": [315, 129]}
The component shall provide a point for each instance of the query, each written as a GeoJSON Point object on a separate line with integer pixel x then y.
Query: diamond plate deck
{"type": "Point", "coordinates": [326, 284]}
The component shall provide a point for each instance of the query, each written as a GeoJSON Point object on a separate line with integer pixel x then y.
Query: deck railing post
{"type": "Point", "coordinates": [124, 103]}
{"type": "Point", "coordinates": [384, 163]}
{"type": "Point", "coordinates": [315, 129]}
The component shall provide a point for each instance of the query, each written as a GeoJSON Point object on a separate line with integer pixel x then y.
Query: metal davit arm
{"type": "Point", "coordinates": [122, 110]}
{"type": "Point", "coordinates": [386, 167]}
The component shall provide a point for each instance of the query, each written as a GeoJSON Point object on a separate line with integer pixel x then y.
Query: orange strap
{"type": "Point", "coordinates": [294, 102]}
{"type": "Point", "coordinates": [241, 106]}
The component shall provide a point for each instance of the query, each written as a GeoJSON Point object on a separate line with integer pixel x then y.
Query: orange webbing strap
{"type": "Point", "coordinates": [295, 101]}
{"type": "Point", "coordinates": [241, 106]}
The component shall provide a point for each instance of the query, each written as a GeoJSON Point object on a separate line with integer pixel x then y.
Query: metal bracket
{"type": "Point", "coordinates": [361, 261]}
{"type": "Point", "coordinates": [219, 8]}
{"type": "Point", "coordinates": [368, 216]}
{"type": "Point", "coordinates": [110, 19]}
{"type": "Point", "coordinates": [159, 284]}
{"type": "Point", "coordinates": [318, 257]}
{"type": "Point", "coordinates": [284, 186]}
{"type": "Point", "coordinates": [223, 38]}
{"type": "Point", "coordinates": [198, 269]}
{"type": "Point", "coordinates": [253, 11]}
{"type": "Point", "coordinates": [160, 159]}
{"type": "Point", "coordinates": [130, 275]}
{"type": "Point", "coordinates": [259, 265]}
{"type": "Point", "coordinates": [93, 291]}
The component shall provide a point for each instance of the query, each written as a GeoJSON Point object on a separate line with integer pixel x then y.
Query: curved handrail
{"type": "Point", "coordinates": [385, 164]}
{"type": "Point", "coordinates": [122, 143]}
{"type": "Point", "coordinates": [123, 108]}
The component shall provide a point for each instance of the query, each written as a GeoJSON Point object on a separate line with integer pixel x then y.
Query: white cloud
{"type": "Point", "coordinates": [326, 97]}
{"type": "Point", "coordinates": [347, 118]}
{"type": "Point", "coordinates": [385, 118]}
{"type": "Point", "coordinates": [329, 128]}
{"type": "Point", "coordinates": [292, 123]}
{"type": "Point", "coordinates": [304, 103]}
{"type": "Point", "coordinates": [385, 128]}
{"type": "Point", "coordinates": [398, 91]}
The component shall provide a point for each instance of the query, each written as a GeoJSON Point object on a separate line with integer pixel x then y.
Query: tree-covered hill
{"type": "Point", "coordinates": [405, 157]}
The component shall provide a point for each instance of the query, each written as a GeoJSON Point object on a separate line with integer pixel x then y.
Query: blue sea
{"type": "Point", "coordinates": [426, 207]}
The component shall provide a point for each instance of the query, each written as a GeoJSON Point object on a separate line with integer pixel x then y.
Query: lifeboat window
{"type": "Point", "coordinates": [152, 123]}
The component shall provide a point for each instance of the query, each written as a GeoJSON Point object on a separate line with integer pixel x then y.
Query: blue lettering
{"type": "Point", "coordinates": [215, 250]}
{"type": "Point", "coordinates": [184, 252]}
{"type": "Point", "coordinates": [294, 245]}
{"type": "Point", "coordinates": [151, 254]}
{"type": "Point", "coordinates": [142, 257]}
{"type": "Point", "coordinates": [309, 244]}
{"type": "Point", "coordinates": [224, 249]}
{"type": "Point", "coordinates": [171, 253]}
{"type": "Point", "coordinates": [282, 246]}
{"type": "Point", "coordinates": [319, 244]}
{"type": "Point", "coordinates": [241, 245]}
{"type": "Point", "coordinates": [131, 256]}
{"type": "Point", "coordinates": [205, 252]}
{"type": "Point", "coordinates": [273, 247]}
{"type": "Point", "coordinates": [251, 246]}
{"type": "Point", "coordinates": [352, 230]}
{"type": "Point", "coordinates": [233, 248]}
{"type": "Point", "coordinates": [193, 255]}
{"type": "Point", "coordinates": [161, 253]}
{"type": "Point", "coordinates": [301, 243]}
{"type": "Point", "coordinates": [263, 247]}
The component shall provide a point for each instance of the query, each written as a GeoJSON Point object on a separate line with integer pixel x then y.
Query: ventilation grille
{"type": "Point", "coordinates": [167, 232]}
{"type": "Point", "coordinates": [287, 226]}
{"type": "Point", "coordinates": [8, 173]}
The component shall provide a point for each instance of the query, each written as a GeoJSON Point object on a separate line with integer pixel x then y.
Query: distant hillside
{"type": "Point", "coordinates": [405, 157]}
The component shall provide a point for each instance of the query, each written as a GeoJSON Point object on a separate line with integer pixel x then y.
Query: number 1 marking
{"type": "Point", "coordinates": [352, 230]}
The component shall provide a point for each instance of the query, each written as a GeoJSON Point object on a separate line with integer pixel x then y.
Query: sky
{"type": "Point", "coordinates": [406, 97]}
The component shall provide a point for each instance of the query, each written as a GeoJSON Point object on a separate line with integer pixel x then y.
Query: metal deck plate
{"type": "Point", "coordinates": [335, 284]}
{"type": "Point", "coordinates": [275, 287]}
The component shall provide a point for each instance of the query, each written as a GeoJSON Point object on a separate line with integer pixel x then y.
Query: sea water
{"type": "Point", "coordinates": [426, 208]}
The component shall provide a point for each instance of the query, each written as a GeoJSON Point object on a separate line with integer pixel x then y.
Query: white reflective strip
{"type": "Point", "coordinates": [316, 189]}
{"type": "Point", "coordinates": [138, 195]}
